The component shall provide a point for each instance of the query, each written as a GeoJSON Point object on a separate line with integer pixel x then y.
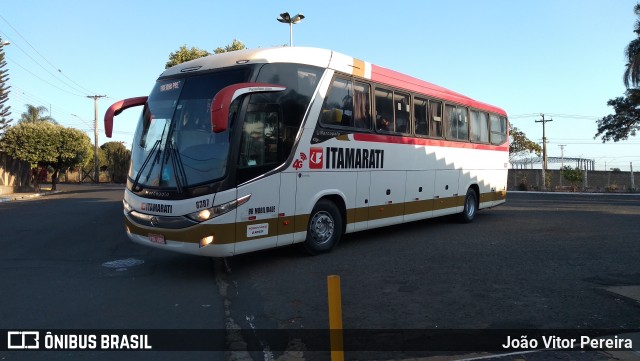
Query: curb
{"type": "Point", "coordinates": [26, 196]}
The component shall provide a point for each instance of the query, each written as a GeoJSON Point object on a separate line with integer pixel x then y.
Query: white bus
{"type": "Point", "coordinates": [254, 149]}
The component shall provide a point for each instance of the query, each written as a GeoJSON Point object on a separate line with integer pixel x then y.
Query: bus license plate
{"type": "Point", "coordinates": [157, 238]}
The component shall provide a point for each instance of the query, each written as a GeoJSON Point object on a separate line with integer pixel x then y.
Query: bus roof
{"type": "Point", "coordinates": [329, 59]}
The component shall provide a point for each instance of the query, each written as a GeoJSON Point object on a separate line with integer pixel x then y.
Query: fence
{"type": "Point", "coordinates": [14, 174]}
{"type": "Point", "coordinates": [595, 181]}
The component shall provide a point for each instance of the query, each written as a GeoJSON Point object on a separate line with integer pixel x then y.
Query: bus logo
{"type": "Point", "coordinates": [315, 158]}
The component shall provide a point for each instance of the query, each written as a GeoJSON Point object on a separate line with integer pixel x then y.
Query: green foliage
{"type": "Point", "coordinates": [235, 45]}
{"type": "Point", "coordinates": [31, 142]}
{"type": "Point", "coordinates": [185, 54]}
{"type": "Point", "coordinates": [632, 52]}
{"type": "Point", "coordinates": [73, 148]}
{"type": "Point", "coordinates": [521, 145]}
{"type": "Point", "coordinates": [626, 120]}
{"type": "Point", "coordinates": [5, 119]}
{"type": "Point", "coordinates": [35, 114]}
{"type": "Point", "coordinates": [44, 144]}
{"type": "Point", "coordinates": [572, 175]}
{"type": "Point", "coordinates": [117, 158]}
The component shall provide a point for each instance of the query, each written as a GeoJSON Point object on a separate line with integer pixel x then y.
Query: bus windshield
{"type": "Point", "coordinates": [174, 145]}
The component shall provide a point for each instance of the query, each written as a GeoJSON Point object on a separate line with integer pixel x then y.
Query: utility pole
{"type": "Point", "coordinates": [96, 169]}
{"type": "Point", "coordinates": [544, 150]}
{"type": "Point", "coordinates": [561, 161]}
{"type": "Point", "coordinates": [633, 185]}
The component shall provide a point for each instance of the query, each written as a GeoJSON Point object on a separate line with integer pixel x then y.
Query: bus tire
{"type": "Point", "coordinates": [324, 229]}
{"type": "Point", "coordinates": [470, 206]}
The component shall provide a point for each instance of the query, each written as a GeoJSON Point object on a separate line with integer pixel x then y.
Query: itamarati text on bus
{"type": "Point", "coordinates": [255, 149]}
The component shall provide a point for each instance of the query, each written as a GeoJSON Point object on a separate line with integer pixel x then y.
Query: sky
{"type": "Point", "coordinates": [564, 59]}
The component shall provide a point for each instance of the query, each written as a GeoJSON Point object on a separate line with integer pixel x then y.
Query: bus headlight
{"type": "Point", "coordinates": [206, 214]}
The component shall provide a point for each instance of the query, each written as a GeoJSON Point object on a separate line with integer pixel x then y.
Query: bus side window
{"type": "Point", "coordinates": [457, 123]}
{"type": "Point", "coordinates": [479, 127]}
{"type": "Point", "coordinates": [259, 142]}
{"type": "Point", "coordinates": [402, 111]}
{"type": "Point", "coordinates": [384, 110]}
{"type": "Point", "coordinates": [420, 112]}
{"type": "Point", "coordinates": [361, 106]}
{"type": "Point", "coordinates": [301, 82]}
{"type": "Point", "coordinates": [435, 119]}
{"type": "Point", "coordinates": [463, 124]}
{"type": "Point", "coordinates": [337, 109]}
{"type": "Point", "coordinates": [498, 129]}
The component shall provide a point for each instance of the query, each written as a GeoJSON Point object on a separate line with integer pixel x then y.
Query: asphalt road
{"type": "Point", "coordinates": [539, 261]}
{"type": "Point", "coordinates": [66, 263]}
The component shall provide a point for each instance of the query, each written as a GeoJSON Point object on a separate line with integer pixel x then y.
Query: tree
{"type": "Point", "coordinates": [73, 147]}
{"type": "Point", "coordinates": [572, 175]}
{"type": "Point", "coordinates": [4, 93]}
{"type": "Point", "coordinates": [117, 160]}
{"type": "Point", "coordinates": [521, 145]}
{"type": "Point", "coordinates": [626, 120]}
{"type": "Point", "coordinates": [632, 53]}
{"type": "Point", "coordinates": [235, 45]}
{"type": "Point", "coordinates": [185, 54]}
{"type": "Point", "coordinates": [44, 144]}
{"type": "Point", "coordinates": [35, 114]}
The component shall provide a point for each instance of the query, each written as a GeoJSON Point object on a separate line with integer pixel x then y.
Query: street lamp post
{"type": "Point", "coordinates": [287, 19]}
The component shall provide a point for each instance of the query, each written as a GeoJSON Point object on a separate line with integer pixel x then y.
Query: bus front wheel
{"type": "Point", "coordinates": [470, 206]}
{"type": "Point", "coordinates": [324, 229]}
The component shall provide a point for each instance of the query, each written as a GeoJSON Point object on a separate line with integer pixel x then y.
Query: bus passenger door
{"type": "Point", "coordinates": [287, 208]}
{"type": "Point", "coordinates": [257, 220]}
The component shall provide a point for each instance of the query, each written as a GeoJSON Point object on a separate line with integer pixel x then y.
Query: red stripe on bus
{"type": "Point", "coordinates": [379, 138]}
{"type": "Point", "coordinates": [399, 80]}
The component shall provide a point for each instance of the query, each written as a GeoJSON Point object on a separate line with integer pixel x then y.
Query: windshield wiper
{"type": "Point", "coordinates": [156, 145]}
{"type": "Point", "coordinates": [178, 168]}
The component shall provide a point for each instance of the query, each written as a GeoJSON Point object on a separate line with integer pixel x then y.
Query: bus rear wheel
{"type": "Point", "coordinates": [470, 206]}
{"type": "Point", "coordinates": [324, 229]}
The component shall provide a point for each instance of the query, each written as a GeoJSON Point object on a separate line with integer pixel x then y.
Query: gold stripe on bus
{"type": "Point", "coordinates": [358, 68]}
{"type": "Point", "coordinates": [242, 227]}
{"type": "Point", "coordinates": [286, 225]}
{"type": "Point", "coordinates": [355, 215]}
{"type": "Point", "coordinates": [418, 206]}
{"type": "Point", "coordinates": [222, 233]}
{"type": "Point", "coordinates": [386, 211]}
{"type": "Point", "coordinates": [493, 196]}
{"type": "Point", "coordinates": [302, 221]}
{"type": "Point", "coordinates": [237, 232]}
{"type": "Point", "coordinates": [447, 202]}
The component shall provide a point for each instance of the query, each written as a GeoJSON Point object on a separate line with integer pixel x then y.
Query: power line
{"type": "Point", "coordinates": [556, 115]}
{"type": "Point", "coordinates": [53, 85]}
{"type": "Point", "coordinates": [85, 90]}
{"type": "Point", "coordinates": [43, 57]}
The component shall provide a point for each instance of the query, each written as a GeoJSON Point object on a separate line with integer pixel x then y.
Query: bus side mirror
{"type": "Point", "coordinates": [117, 108]}
{"type": "Point", "coordinates": [222, 101]}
